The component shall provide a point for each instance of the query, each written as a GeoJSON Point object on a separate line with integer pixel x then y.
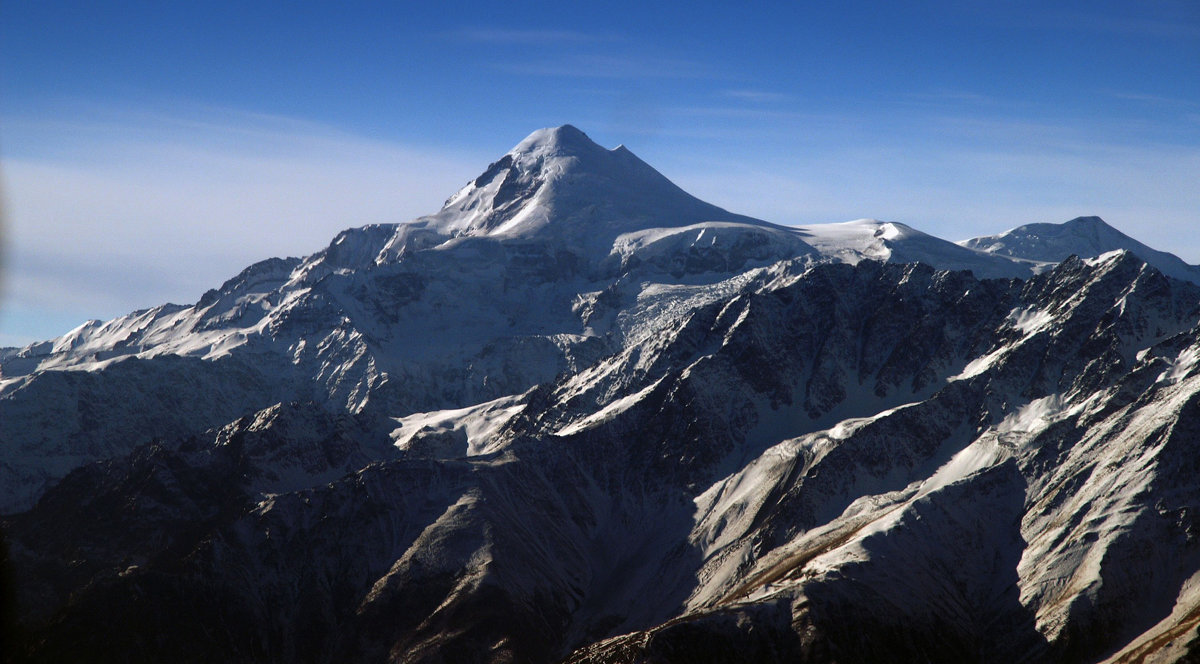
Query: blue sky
{"type": "Point", "coordinates": [151, 150]}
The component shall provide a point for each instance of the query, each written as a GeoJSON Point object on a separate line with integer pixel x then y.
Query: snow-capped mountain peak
{"type": "Point", "coordinates": [559, 184]}
{"type": "Point", "coordinates": [1081, 236]}
{"type": "Point", "coordinates": [562, 140]}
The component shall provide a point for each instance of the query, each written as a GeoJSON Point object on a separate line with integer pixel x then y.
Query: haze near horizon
{"type": "Point", "coordinates": [150, 153]}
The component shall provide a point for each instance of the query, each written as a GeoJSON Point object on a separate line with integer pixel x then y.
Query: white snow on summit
{"type": "Point", "coordinates": [1085, 237]}
{"type": "Point", "coordinates": [559, 184]}
{"type": "Point", "coordinates": [891, 241]}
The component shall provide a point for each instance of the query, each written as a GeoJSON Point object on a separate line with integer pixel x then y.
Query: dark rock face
{"type": "Point", "coordinates": [300, 534]}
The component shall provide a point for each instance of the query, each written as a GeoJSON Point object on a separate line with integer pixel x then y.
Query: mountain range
{"type": "Point", "coordinates": [581, 415]}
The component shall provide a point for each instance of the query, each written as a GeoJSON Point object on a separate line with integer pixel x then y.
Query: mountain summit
{"type": "Point", "coordinates": [559, 183]}
{"type": "Point", "coordinates": [1081, 236]}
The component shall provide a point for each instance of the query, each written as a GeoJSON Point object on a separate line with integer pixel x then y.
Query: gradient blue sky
{"type": "Point", "coordinates": [150, 150]}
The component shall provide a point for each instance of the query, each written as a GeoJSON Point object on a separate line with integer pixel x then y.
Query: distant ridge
{"type": "Point", "coordinates": [1082, 236]}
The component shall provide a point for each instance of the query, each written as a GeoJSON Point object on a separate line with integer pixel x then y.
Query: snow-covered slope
{"type": "Point", "coordinates": [581, 414]}
{"type": "Point", "coordinates": [891, 241]}
{"type": "Point", "coordinates": [1082, 236]}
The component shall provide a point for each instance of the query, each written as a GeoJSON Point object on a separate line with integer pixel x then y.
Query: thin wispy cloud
{"type": "Point", "coordinates": [1159, 100]}
{"type": "Point", "coordinates": [1125, 25]}
{"type": "Point", "coordinates": [1066, 133]}
{"type": "Point", "coordinates": [529, 37]}
{"type": "Point", "coordinates": [1163, 20]}
{"type": "Point", "coordinates": [603, 66]}
{"type": "Point", "coordinates": [756, 96]}
{"type": "Point", "coordinates": [162, 210]}
{"type": "Point", "coordinates": [750, 113]}
{"type": "Point", "coordinates": [952, 96]}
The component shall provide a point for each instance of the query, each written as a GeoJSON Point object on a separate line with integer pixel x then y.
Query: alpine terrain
{"type": "Point", "coordinates": [580, 415]}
